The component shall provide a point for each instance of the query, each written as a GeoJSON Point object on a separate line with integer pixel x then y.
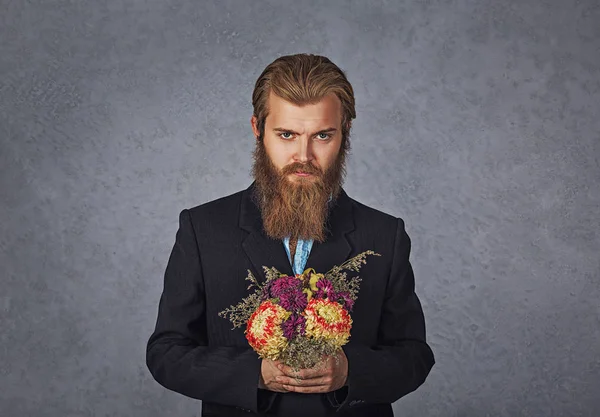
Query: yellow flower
{"type": "Point", "coordinates": [303, 276]}
{"type": "Point", "coordinates": [313, 281]}
{"type": "Point", "coordinates": [263, 330]}
{"type": "Point", "coordinates": [329, 320]}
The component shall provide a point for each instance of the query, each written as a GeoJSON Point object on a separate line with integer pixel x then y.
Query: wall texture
{"type": "Point", "coordinates": [478, 124]}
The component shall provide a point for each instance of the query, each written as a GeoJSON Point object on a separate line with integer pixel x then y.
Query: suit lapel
{"type": "Point", "coordinates": [336, 248]}
{"type": "Point", "coordinates": [264, 251]}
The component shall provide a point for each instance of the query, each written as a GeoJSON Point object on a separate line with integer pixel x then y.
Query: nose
{"type": "Point", "coordinates": [303, 150]}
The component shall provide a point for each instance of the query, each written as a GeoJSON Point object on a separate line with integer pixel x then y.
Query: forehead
{"type": "Point", "coordinates": [328, 111]}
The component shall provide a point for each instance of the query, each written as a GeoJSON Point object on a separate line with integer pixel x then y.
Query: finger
{"type": "Point", "coordinates": [274, 366]}
{"type": "Point", "coordinates": [306, 390]}
{"type": "Point", "coordinates": [312, 382]}
{"type": "Point", "coordinates": [306, 373]}
{"type": "Point", "coordinates": [276, 386]}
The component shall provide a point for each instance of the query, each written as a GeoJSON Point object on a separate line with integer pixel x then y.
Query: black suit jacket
{"type": "Point", "coordinates": [195, 352]}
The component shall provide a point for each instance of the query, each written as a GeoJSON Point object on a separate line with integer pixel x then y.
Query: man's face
{"type": "Point", "coordinates": [298, 166]}
{"type": "Point", "coordinates": [302, 138]}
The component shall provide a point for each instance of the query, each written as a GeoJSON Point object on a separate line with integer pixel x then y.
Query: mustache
{"type": "Point", "coordinates": [300, 167]}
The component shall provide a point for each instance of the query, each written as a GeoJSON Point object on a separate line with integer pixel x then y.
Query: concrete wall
{"type": "Point", "coordinates": [478, 124]}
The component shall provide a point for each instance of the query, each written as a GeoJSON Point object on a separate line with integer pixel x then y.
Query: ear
{"type": "Point", "coordinates": [254, 122]}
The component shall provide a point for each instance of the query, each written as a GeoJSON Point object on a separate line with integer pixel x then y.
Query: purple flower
{"type": "Point", "coordinates": [343, 297]}
{"type": "Point", "coordinates": [293, 300]}
{"type": "Point", "coordinates": [325, 285]}
{"type": "Point", "coordinates": [324, 288]}
{"type": "Point", "coordinates": [288, 290]}
{"type": "Point", "coordinates": [294, 325]}
{"type": "Point", "coordinates": [273, 289]}
{"type": "Point", "coordinates": [285, 284]}
{"type": "Point", "coordinates": [266, 291]}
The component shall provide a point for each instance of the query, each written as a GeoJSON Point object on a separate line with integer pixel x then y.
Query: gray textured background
{"type": "Point", "coordinates": [478, 124]}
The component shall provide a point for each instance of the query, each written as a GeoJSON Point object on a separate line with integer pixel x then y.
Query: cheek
{"type": "Point", "coordinates": [326, 159]}
{"type": "Point", "coordinates": [279, 154]}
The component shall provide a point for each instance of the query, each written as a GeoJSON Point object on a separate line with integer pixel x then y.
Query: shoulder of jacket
{"type": "Point", "coordinates": [218, 207]}
{"type": "Point", "coordinates": [362, 212]}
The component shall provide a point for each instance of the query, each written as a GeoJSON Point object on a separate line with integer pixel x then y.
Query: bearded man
{"type": "Point", "coordinates": [294, 216]}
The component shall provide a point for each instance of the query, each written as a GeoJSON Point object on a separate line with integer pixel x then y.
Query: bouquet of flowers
{"type": "Point", "coordinates": [298, 319]}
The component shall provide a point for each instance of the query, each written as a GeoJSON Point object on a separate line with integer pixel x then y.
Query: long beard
{"type": "Point", "coordinates": [299, 209]}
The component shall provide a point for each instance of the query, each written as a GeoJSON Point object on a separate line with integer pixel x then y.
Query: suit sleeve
{"type": "Point", "coordinates": [402, 358]}
{"type": "Point", "coordinates": [178, 354]}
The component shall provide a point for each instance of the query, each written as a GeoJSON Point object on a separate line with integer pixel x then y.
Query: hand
{"type": "Point", "coordinates": [269, 371]}
{"type": "Point", "coordinates": [328, 375]}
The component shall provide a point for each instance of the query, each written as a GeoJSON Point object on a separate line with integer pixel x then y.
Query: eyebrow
{"type": "Point", "coordinates": [327, 130]}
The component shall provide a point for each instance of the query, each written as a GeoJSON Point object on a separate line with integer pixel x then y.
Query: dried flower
{"type": "Point", "coordinates": [294, 300]}
{"type": "Point", "coordinates": [294, 326]}
{"type": "Point", "coordinates": [343, 297]}
{"type": "Point", "coordinates": [264, 332]}
{"type": "Point", "coordinates": [328, 320]}
{"type": "Point", "coordinates": [299, 319]}
{"type": "Point", "coordinates": [324, 288]}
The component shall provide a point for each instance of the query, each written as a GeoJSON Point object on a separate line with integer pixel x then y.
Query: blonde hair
{"type": "Point", "coordinates": [303, 79]}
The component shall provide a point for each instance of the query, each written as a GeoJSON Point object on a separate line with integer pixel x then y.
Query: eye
{"type": "Point", "coordinates": [285, 133]}
{"type": "Point", "coordinates": [327, 136]}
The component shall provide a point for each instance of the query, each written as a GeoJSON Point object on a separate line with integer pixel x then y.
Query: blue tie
{"type": "Point", "coordinates": [303, 248]}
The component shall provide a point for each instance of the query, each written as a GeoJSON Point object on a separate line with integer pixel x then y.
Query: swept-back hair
{"type": "Point", "coordinates": [303, 79]}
